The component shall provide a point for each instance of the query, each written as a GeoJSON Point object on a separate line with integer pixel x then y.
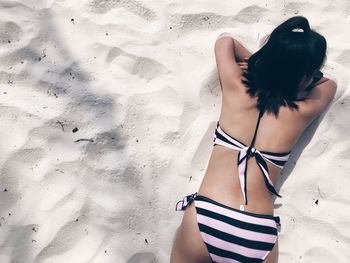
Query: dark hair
{"type": "Point", "coordinates": [275, 71]}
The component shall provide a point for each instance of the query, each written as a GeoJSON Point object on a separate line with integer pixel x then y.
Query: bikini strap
{"type": "Point", "coordinates": [261, 113]}
{"type": "Point", "coordinates": [277, 220]}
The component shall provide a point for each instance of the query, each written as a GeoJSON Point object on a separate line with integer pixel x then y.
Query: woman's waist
{"type": "Point", "coordinates": [226, 189]}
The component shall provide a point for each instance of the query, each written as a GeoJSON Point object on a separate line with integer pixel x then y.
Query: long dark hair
{"type": "Point", "coordinates": [275, 71]}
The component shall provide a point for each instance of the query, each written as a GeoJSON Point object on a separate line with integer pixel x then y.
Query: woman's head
{"type": "Point", "coordinates": [285, 64]}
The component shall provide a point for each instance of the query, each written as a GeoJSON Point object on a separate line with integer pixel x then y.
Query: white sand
{"type": "Point", "coordinates": [138, 79]}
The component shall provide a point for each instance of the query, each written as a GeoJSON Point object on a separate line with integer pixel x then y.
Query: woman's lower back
{"type": "Point", "coordinates": [221, 182]}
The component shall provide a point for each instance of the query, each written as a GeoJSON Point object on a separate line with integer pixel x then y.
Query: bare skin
{"type": "Point", "coordinates": [221, 181]}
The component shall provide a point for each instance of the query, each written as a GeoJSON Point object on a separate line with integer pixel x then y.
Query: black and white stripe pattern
{"type": "Point", "coordinates": [231, 235]}
{"type": "Point", "coordinates": [277, 159]}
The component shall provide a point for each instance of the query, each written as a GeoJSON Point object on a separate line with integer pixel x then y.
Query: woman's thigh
{"type": "Point", "coordinates": [188, 245]}
{"type": "Point", "coordinates": [273, 255]}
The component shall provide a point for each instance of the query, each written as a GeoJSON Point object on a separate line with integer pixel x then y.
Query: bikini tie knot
{"type": "Point", "coordinates": [252, 151]}
{"type": "Point", "coordinates": [242, 158]}
{"type": "Point", "coordinates": [185, 202]}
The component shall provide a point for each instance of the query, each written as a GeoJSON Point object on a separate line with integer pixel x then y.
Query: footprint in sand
{"type": "Point", "coordinates": [10, 32]}
{"type": "Point", "coordinates": [293, 8]}
{"type": "Point", "coordinates": [66, 238]}
{"type": "Point", "coordinates": [251, 14]}
{"type": "Point", "coordinates": [206, 20]}
{"type": "Point", "coordinates": [132, 6]}
{"type": "Point", "coordinates": [126, 65]}
{"type": "Point", "coordinates": [143, 257]}
{"type": "Point", "coordinates": [197, 21]}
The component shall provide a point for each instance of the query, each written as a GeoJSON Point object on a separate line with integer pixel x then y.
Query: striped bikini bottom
{"type": "Point", "coordinates": [232, 235]}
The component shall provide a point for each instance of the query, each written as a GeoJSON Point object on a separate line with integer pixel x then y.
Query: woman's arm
{"type": "Point", "coordinates": [240, 51]}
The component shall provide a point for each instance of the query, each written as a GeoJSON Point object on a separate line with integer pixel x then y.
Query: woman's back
{"type": "Point", "coordinates": [238, 119]}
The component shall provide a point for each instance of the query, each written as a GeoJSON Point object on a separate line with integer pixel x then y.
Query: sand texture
{"type": "Point", "coordinates": [108, 110]}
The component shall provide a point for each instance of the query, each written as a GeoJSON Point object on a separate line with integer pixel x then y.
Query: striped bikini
{"type": "Point", "coordinates": [233, 235]}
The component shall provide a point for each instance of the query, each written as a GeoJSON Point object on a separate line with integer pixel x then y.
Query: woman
{"type": "Point", "coordinates": [280, 90]}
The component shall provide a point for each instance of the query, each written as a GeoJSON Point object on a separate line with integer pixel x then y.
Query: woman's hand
{"type": "Point", "coordinates": [244, 64]}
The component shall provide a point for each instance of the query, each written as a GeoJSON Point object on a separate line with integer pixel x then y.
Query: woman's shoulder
{"type": "Point", "coordinates": [319, 96]}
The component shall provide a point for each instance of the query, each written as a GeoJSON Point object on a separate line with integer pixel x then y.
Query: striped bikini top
{"type": "Point", "coordinates": [245, 152]}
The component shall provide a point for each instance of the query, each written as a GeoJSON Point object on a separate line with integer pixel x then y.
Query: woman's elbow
{"type": "Point", "coordinates": [225, 34]}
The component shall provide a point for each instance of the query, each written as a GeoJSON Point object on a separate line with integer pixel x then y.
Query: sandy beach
{"type": "Point", "coordinates": [108, 112]}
